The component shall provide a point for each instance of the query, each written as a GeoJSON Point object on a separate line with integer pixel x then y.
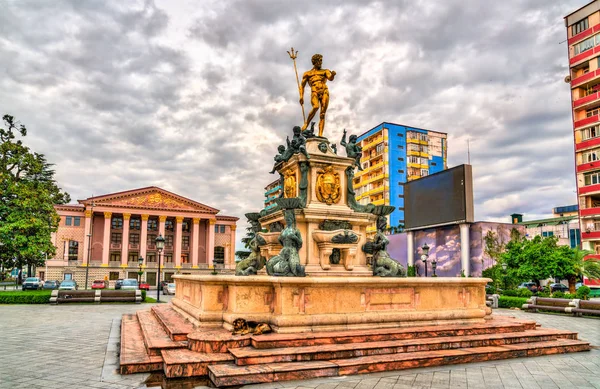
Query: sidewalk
{"type": "Point", "coordinates": [66, 346]}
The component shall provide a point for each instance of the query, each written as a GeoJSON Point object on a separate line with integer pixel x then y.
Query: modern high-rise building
{"type": "Point", "coordinates": [272, 192]}
{"type": "Point", "coordinates": [394, 154]}
{"type": "Point", "coordinates": [583, 34]}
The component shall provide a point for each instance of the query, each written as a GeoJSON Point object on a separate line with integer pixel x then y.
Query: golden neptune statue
{"type": "Point", "coordinates": [319, 93]}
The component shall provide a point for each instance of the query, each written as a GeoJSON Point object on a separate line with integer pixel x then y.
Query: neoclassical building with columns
{"type": "Point", "coordinates": [109, 233]}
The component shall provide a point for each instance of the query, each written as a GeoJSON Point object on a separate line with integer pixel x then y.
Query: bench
{"type": "Point", "coordinates": [492, 300]}
{"type": "Point", "coordinates": [95, 296]}
{"type": "Point", "coordinates": [575, 306]}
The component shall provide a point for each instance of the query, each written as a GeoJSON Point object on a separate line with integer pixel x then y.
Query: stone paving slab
{"type": "Point", "coordinates": [74, 346]}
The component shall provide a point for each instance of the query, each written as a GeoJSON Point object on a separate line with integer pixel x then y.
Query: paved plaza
{"type": "Point", "coordinates": [74, 346]}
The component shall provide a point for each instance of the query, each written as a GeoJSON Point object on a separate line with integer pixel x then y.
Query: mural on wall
{"type": "Point", "coordinates": [444, 247]}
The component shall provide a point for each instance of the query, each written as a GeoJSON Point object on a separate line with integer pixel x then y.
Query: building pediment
{"type": "Point", "coordinates": [152, 198]}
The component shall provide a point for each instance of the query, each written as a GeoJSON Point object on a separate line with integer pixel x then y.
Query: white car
{"type": "Point", "coordinates": [169, 288]}
{"type": "Point", "coordinates": [130, 284]}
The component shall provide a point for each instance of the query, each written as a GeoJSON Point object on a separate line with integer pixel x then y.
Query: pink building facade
{"type": "Point", "coordinates": [109, 233]}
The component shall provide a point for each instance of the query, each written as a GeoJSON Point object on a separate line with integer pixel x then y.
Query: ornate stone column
{"type": "Point", "coordinates": [144, 237]}
{"type": "Point", "coordinates": [178, 220]}
{"type": "Point", "coordinates": [210, 245]}
{"type": "Point", "coordinates": [465, 249]}
{"type": "Point", "coordinates": [195, 241]}
{"type": "Point", "coordinates": [86, 240]}
{"type": "Point", "coordinates": [410, 248]}
{"type": "Point", "coordinates": [161, 225]}
{"type": "Point", "coordinates": [231, 262]}
{"type": "Point", "coordinates": [106, 239]}
{"type": "Point", "coordinates": [125, 240]}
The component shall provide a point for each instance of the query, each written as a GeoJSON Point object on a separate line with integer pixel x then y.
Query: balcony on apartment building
{"type": "Point", "coordinates": [374, 142]}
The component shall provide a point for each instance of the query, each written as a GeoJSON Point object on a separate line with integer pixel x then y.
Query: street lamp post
{"type": "Point", "coordinates": [140, 262]}
{"type": "Point", "coordinates": [424, 256]}
{"type": "Point", "coordinates": [87, 265]}
{"type": "Point", "coordinates": [160, 245]}
{"type": "Point", "coordinates": [433, 266]}
{"type": "Point", "coordinates": [504, 266]}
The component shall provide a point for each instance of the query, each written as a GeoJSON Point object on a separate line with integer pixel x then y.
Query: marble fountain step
{"type": "Point", "coordinates": [154, 335]}
{"type": "Point", "coordinates": [230, 374]}
{"type": "Point", "coordinates": [251, 356]}
{"type": "Point", "coordinates": [176, 326]}
{"type": "Point", "coordinates": [498, 325]}
{"type": "Point", "coordinates": [133, 355]}
{"type": "Point", "coordinates": [186, 363]}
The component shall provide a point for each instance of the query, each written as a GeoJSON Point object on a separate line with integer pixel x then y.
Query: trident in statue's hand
{"type": "Point", "coordinates": [293, 55]}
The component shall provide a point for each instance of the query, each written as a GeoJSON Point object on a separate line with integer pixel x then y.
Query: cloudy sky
{"type": "Point", "coordinates": [195, 96]}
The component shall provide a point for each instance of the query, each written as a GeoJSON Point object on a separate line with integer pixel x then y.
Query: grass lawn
{"type": "Point", "coordinates": [25, 297]}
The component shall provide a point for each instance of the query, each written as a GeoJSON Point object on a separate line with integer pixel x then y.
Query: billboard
{"type": "Point", "coordinates": [440, 199]}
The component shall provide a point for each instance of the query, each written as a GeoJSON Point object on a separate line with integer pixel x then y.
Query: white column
{"type": "Point", "coordinates": [195, 240]}
{"type": "Point", "coordinates": [106, 239]}
{"type": "Point", "coordinates": [210, 247]}
{"type": "Point", "coordinates": [178, 233]}
{"type": "Point", "coordinates": [231, 262]}
{"type": "Point", "coordinates": [465, 249]}
{"type": "Point", "coordinates": [125, 240]}
{"type": "Point", "coordinates": [86, 240]}
{"type": "Point", "coordinates": [410, 248]}
{"type": "Point", "coordinates": [144, 237]}
{"type": "Point", "coordinates": [161, 225]}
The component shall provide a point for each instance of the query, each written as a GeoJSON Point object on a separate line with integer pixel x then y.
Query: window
{"type": "Point", "coordinates": [216, 228]}
{"type": "Point", "coordinates": [68, 221]}
{"type": "Point", "coordinates": [185, 241]}
{"type": "Point", "coordinates": [413, 147]}
{"type": "Point", "coordinates": [73, 250]}
{"type": "Point", "coordinates": [169, 225]}
{"type": "Point", "coordinates": [424, 149]}
{"type": "Point", "coordinates": [168, 258]}
{"type": "Point", "coordinates": [115, 257]}
{"type": "Point", "coordinates": [424, 172]}
{"type": "Point", "coordinates": [134, 238]}
{"type": "Point", "coordinates": [400, 135]}
{"type": "Point", "coordinates": [117, 223]}
{"type": "Point", "coordinates": [591, 112]}
{"type": "Point", "coordinates": [115, 237]}
{"type": "Point", "coordinates": [68, 276]}
{"type": "Point", "coordinates": [423, 137]}
{"type": "Point", "coordinates": [584, 46]}
{"type": "Point", "coordinates": [400, 159]}
{"type": "Point", "coordinates": [76, 221]}
{"type": "Point", "coordinates": [591, 132]}
{"type": "Point", "coordinates": [412, 159]}
{"type": "Point", "coordinates": [590, 156]}
{"type": "Point", "coordinates": [150, 257]}
{"type": "Point", "coordinates": [169, 241]}
{"type": "Point", "coordinates": [401, 147]}
{"type": "Point", "coordinates": [151, 240]}
{"type": "Point", "coordinates": [113, 275]}
{"type": "Point", "coordinates": [424, 161]}
{"type": "Point", "coordinates": [401, 172]}
{"type": "Point", "coordinates": [135, 224]}
{"type": "Point", "coordinates": [591, 178]}
{"type": "Point", "coordinates": [185, 258]}
{"type": "Point", "coordinates": [219, 254]}
{"type": "Point", "coordinates": [222, 229]}
{"type": "Point", "coordinates": [133, 257]}
{"type": "Point", "coordinates": [580, 26]}
{"type": "Point", "coordinates": [433, 164]}
{"type": "Point", "coordinates": [379, 148]}
{"type": "Point", "coordinates": [152, 225]}
{"type": "Point", "coordinates": [185, 227]}
{"type": "Point", "coordinates": [547, 233]}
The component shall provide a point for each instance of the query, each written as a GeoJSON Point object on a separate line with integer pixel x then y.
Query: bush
{"type": "Point", "coordinates": [558, 295]}
{"type": "Point", "coordinates": [511, 302]}
{"type": "Point", "coordinates": [524, 292]}
{"type": "Point", "coordinates": [569, 296]}
{"type": "Point", "coordinates": [25, 297]}
{"type": "Point", "coordinates": [544, 293]}
{"type": "Point", "coordinates": [411, 271]}
{"type": "Point", "coordinates": [510, 292]}
{"type": "Point", "coordinates": [583, 292]}
{"type": "Point", "coordinates": [143, 295]}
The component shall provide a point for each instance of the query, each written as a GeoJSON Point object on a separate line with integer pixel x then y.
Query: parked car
{"type": "Point", "coordinates": [169, 288]}
{"type": "Point", "coordinates": [118, 283]}
{"type": "Point", "coordinates": [99, 284]}
{"type": "Point", "coordinates": [130, 284]}
{"type": "Point", "coordinates": [51, 284]}
{"type": "Point", "coordinates": [144, 286]}
{"type": "Point", "coordinates": [532, 286]}
{"type": "Point", "coordinates": [578, 285]}
{"type": "Point", "coordinates": [558, 287]}
{"type": "Point", "coordinates": [68, 285]}
{"type": "Point", "coordinates": [163, 283]}
{"type": "Point", "coordinates": [34, 283]}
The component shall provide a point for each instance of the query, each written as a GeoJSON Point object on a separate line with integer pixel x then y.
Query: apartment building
{"type": "Point", "coordinates": [272, 192]}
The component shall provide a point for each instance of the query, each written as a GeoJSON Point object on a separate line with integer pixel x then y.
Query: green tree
{"type": "Point", "coordinates": [583, 267]}
{"type": "Point", "coordinates": [533, 259]}
{"type": "Point", "coordinates": [28, 192]}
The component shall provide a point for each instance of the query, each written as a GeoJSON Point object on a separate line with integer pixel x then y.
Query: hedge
{"type": "Point", "coordinates": [25, 297]}
{"type": "Point", "coordinates": [511, 302]}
